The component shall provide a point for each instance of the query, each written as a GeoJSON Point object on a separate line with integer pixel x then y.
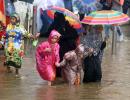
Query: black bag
{"type": "Point", "coordinates": [103, 45]}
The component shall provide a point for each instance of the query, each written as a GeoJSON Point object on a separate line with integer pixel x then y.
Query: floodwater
{"type": "Point", "coordinates": [115, 84]}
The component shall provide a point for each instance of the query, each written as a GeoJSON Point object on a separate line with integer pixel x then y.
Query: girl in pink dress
{"type": "Point", "coordinates": [47, 56]}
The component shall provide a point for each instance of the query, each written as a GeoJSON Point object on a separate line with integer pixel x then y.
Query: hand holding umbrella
{"type": "Point", "coordinates": [106, 17]}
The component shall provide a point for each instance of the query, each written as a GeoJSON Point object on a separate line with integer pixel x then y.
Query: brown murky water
{"type": "Point", "coordinates": [115, 83]}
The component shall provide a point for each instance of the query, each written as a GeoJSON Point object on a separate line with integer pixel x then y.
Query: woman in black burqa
{"type": "Point", "coordinates": [69, 36]}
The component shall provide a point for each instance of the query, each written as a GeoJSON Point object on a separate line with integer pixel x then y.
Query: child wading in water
{"type": "Point", "coordinates": [14, 43]}
{"type": "Point", "coordinates": [72, 65]}
{"type": "Point", "coordinates": [47, 56]}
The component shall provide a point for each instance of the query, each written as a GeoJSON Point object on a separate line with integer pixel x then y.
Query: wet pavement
{"type": "Point", "coordinates": [115, 83]}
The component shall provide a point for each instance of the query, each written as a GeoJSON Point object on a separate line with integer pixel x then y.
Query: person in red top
{"type": "Point", "coordinates": [2, 30]}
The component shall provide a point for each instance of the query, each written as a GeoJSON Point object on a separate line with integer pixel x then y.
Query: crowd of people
{"type": "Point", "coordinates": [62, 50]}
{"type": "Point", "coordinates": [76, 57]}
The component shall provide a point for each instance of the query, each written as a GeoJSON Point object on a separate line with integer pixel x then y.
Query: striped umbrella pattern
{"type": "Point", "coordinates": [105, 17]}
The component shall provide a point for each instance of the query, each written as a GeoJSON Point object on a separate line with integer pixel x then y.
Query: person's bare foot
{"type": "Point", "coordinates": [49, 83]}
{"type": "Point", "coordinates": [9, 69]}
{"type": "Point", "coordinates": [17, 76]}
{"type": "Point", "coordinates": [17, 71]}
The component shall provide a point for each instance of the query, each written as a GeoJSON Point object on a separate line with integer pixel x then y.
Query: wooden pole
{"type": "Point", "coordinates": [114, 39]}
{"type": "Point", "coordinates": [34, 26]}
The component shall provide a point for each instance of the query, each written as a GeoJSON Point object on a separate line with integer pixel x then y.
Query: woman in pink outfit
{"type": "Point", "coordinates": [47, 56]}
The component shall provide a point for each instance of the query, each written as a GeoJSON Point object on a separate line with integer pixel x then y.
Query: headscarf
{"type": "Point", "coordinates": [52, 34]}
{"type": "Point", "coordinates": [17, 17]}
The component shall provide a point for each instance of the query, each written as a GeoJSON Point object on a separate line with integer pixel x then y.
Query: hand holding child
{"type": "Point", "coordinates": [57, 64]}
{"type": "Point", "coordinates": [90, 50]}
{"type": "Point", "coordinates": [37, 35]}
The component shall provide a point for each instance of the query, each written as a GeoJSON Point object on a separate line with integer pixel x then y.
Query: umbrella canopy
{"type": "Point", "coordinates": [105, 17]}
{"type": "Point", "coordinates": [69, 16]}
{"type": "Point", "coordinates": [86, 6]}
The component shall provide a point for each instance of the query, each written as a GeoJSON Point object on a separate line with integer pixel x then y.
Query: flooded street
{"type": "Point", "coordinates": [115, 83]}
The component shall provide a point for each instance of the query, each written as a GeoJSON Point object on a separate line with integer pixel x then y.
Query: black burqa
{"type": "Point", "coordinates": [68, 38]}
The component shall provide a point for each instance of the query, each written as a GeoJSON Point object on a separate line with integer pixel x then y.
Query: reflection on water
{"type": "Point", "coordinates": [64, 92]}
{"type": "Point", "coordinates": [115, 83]}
